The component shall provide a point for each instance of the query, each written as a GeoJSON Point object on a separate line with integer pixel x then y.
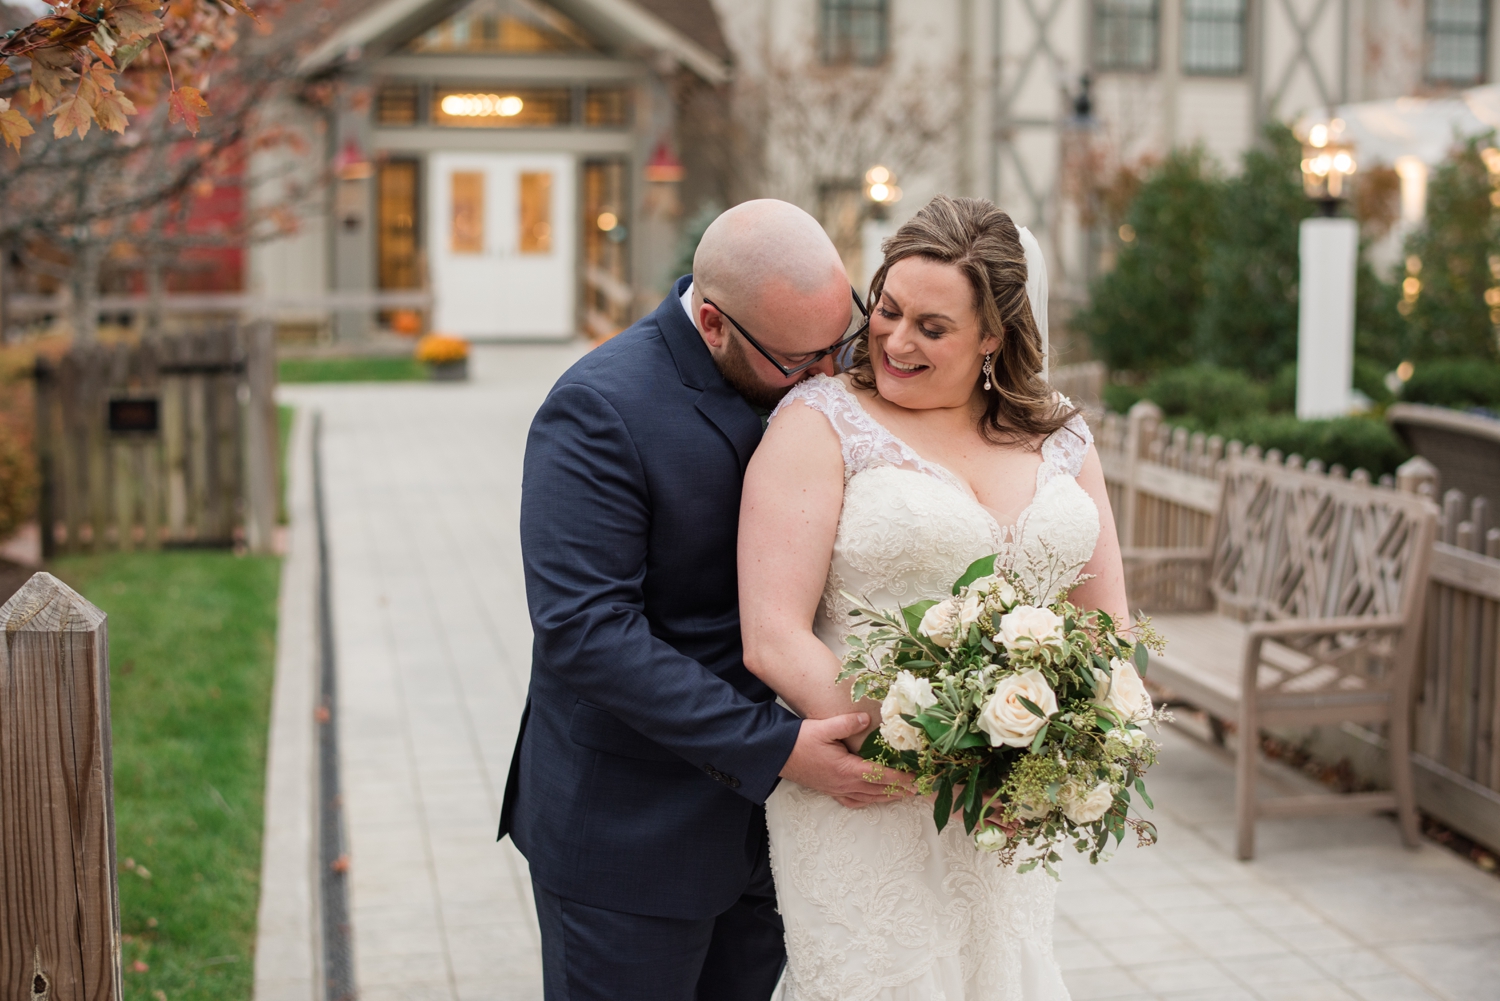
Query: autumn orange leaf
{"type": "Point", "coordinates": [113, 111]}
{"type": "Point", "coordinates": [186, 105]}
{"type": "Point", "coordinates": [6, 72]}
{"type": "Point", "coordinates": [132, 21]}
{"type": "Point", "coordinates": [73, 114]}
{"type": "Point", "coordinates": [13, 126]}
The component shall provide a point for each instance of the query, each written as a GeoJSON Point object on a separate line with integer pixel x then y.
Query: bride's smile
{"type": "Point", "coordinates": [924, 337]}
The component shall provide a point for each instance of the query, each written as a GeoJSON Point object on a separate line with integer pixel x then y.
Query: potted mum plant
{"type": "Point", "coordinates": [446, 358]}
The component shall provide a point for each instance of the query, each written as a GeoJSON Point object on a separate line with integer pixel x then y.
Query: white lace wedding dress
{"type": "Point", "coordinates": [877, 903]}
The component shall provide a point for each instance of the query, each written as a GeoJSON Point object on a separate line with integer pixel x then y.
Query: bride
{"type": "Point", "coordinates": [940, 445]}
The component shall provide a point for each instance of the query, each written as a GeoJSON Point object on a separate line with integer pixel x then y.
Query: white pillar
{"type": "Point", "coordinates": [873, 232]}
{"type": "Point", "coordinates": [1325, 317]}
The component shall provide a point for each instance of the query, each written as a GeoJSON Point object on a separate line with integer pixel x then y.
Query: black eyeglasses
{"type": "Point", "coordinates": [859, 322]}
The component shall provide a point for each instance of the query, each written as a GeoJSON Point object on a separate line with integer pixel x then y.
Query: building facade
{"type": "Point", "coordinates": [1045, 97]}
{"type": "Point", "coordinates": [516, 161]}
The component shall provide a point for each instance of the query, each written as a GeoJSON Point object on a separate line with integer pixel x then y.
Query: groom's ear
{"type": "Point", "coordinates": [711, 324]}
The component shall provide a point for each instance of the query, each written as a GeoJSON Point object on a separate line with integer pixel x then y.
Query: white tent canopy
{"type": "Point", "coordinates": [1384, 132]}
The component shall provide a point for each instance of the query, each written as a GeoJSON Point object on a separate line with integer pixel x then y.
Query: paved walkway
{"type": "Point", "coordinates": [423, 486]}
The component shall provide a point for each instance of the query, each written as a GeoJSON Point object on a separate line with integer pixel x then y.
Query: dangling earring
{"type": "Point", "coordinates": [989, 367]}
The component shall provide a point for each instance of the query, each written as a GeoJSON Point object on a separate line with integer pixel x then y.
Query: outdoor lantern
{"type": "Point", "coordinates": [1326, 163]}
{"type": "Point", "coordinates": [880, 186]}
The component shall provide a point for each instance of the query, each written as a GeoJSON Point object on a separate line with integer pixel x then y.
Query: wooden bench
{"type": "Point", "coordinates": [1314, 587]}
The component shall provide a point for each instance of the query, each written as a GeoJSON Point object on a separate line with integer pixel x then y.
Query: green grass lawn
{"type": "Point", "coordinates": [399, 369]}
{"type": "Point", "coordinates": [192, 652]}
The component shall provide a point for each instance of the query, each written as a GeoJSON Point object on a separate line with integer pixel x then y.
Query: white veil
{"type": "Point", "coordinates": [1036, 290]}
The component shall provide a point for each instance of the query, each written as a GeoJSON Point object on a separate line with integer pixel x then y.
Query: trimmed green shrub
{"type": "Point", "coordinates": [1352, 442]}
{"type": "Point", "coordinates": [1119, 397]}
{"type": "Point", "coordinates": [1212, 396]}
{"type": "Point", "coordinates": [1450, 317]}
{"type": "Point", "coordinates": [1248, 318]}
{"type": "Point", "coordinates": [1453, 383]}
{"type": "Point", "coordinates": [1141, 314]}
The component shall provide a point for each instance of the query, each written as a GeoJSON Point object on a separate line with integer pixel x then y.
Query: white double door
{"type": "Point", "coordinates": [502, 244]}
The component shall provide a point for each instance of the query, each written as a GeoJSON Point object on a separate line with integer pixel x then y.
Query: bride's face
{"type": "Point", "coordinates": [925, 344]}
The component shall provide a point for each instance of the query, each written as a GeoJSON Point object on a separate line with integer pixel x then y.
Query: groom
{"type": "Point", "coordinates": [647, 750]}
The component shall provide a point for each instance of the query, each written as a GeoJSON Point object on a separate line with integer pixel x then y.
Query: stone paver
{"type": "Point", "coordinates": [423, 488]}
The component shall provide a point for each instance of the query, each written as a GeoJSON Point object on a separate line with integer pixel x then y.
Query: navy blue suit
{"type": "Point", "coordinates": [647, 750]}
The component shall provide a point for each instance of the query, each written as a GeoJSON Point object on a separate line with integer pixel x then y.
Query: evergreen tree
{"type": "Point", "coordinates": [1456, 260]}
{"type": "Point", "coordinates": [1248, 320]}
{"type": "Point", "coordinates": [1141, 315]}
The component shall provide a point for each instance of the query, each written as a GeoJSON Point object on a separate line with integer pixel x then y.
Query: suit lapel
{"type": "Point", "coordinates": [728, 411]}
{"type": "Point", "coordinates": [734, 417]}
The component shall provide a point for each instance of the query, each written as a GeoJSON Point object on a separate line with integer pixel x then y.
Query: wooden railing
{"type": "Point", "coordinates": [1164, 486]}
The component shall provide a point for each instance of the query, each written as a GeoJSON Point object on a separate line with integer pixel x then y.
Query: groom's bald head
{"type": "Point", "coordinates": [773, 268]}
{"type": "Point", "coordinates": [766, 247]}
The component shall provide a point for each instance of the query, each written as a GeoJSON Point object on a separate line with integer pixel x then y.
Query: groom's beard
{"type": "Point", "coordinates": [736, 369]}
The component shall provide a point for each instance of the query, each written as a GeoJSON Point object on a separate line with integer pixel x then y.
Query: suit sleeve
{"type": "Point", "coordinates": [585, 522]}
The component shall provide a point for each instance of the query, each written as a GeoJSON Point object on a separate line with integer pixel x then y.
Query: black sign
{"type": "Point", "coordinates": [139, 416]}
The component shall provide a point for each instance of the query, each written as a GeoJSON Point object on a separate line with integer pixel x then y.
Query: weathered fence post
{"type": "Point", "coordinates": [59, 900]}
{"type": "Point", "coordinates": [258, 419]}
{"type": "Point", "coordinates": [1415, 472]}
{"type": "Point", "coordinates": [1143, 419]}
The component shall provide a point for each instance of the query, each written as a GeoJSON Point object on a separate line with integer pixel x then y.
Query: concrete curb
{"type": "Point", "coordinates": [287, 949]}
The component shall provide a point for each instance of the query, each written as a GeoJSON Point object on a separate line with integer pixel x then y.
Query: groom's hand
{"type": "Point", "coordinates": [821, 761]}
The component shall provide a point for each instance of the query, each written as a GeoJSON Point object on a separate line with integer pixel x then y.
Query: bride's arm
{"type": "Point", "coordinates": [789, 515]}
{"type": "Point", "coordinates": [1106, 589]}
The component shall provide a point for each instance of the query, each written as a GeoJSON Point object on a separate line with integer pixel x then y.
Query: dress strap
{"type": "Point", "coordinates": [864, 441]}
{"type": "Point", "coordinates": [1065, 449]}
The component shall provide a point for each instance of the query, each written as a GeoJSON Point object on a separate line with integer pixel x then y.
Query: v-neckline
{"type": "Point", "coordinates": [947, 475]}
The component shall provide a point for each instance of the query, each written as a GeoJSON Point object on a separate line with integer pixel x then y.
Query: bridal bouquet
{"type": "Point", "coordinates": [1026, 717]}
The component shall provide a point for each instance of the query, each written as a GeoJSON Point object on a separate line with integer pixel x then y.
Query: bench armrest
{"type": "Point", "coordinates": [1306, 628]}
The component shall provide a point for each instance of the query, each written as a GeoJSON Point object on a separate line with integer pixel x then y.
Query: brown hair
{"type": "Point", "coordinates": [982, 242]}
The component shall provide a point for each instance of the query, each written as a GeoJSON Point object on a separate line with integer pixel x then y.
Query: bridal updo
{"type": "Point", "coordinates": [974, 236]}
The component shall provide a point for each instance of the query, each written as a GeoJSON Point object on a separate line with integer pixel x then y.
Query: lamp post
{"type": "Point", "coordinates": [1328, 247]}
{"type": "Point", "coordinates": [881, 192]}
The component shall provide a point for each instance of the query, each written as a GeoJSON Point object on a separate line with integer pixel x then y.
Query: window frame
{"type": "Point", "coordinates": [1241, 23]}
{"type": "Point", "coordinates": [830, 10]}
{"type": "Point", "coordinates": [1096, 46]}
{"type": "Point", "coordinates": [1429, 36]}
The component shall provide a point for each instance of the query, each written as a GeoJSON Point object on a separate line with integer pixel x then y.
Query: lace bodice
{"type": "Point", "coordinates": [910, 527]}
{"type": "Point", "coordinates": [878, 905]}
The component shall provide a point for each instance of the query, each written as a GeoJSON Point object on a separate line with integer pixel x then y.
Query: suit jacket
{"type": "Point", "coordinates": [647, 750]}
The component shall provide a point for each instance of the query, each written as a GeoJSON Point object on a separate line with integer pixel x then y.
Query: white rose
{"type": "Point", "coordinates": [911, 695]}
{"type": "Point", "coordinates": [990, 839]}
{"type": "Point", "coordinates": [1026, 627]}
{"type": "Point", "coordinates": [1090, 807]}
{"type": "Point", "coordinates": [969, 611]}
{"type": "Point", "coordinates": [900, 735]}
{"type": "Point", "coordinates": [1123, 691]}
{"type": "Point", "coordinates": [940, 622]}
{"type": "Point", "coordinates": [1009, 722]}
{"type": "Point", "coordinates": [997, 586]}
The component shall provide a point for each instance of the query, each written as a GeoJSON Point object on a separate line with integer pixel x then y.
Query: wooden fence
{"type": "Point", "coordinates": [59, 896]}
{"type": "Point", "coordinates": [170, 442]}
{"type": "Point", "coordinates": [1164, 488]}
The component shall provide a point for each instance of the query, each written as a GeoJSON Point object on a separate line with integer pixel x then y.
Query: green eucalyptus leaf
{"type": "Point", "coordinates": [942, 809]}
{"type": "Point", "coordinates": [1140, 787]}
{"type": "Point", "coordinates": [1031, 707]}
{"type": "Point", "coordinates": [1142, 658]}
{"type": "Point", "coordinates": [1040, 738]}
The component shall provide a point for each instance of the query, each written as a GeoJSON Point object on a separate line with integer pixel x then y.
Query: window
{"type": "Point", "coordinates": [607, 296]}
{"type": "Point", "coordinates": [396, 104]}
{"type": "Point", "coordinates": [466, 223]}
{"type": "Point", "coordinates": [503, 26]}
{"type": "Point", "coordinates": [1213, 37]}
{"type": "Point", "coordinates": [536, 212]}
{"type": "Point", "coordinates": [1456, 31]}
{"type": "Point", "coordinates": [396, 223]}
{"type": "Point", "coordinates": [483, 108]}
{"type": "Point", "coordinates": [606, 106]}
{"type": "Point", "coordinates": [1125, 34]}
{"type": "Point", "coordinates": [854, 31]}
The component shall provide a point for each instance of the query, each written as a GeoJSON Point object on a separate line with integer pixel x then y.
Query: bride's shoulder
{"type": "Point", "coordinates": [830, 395]}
